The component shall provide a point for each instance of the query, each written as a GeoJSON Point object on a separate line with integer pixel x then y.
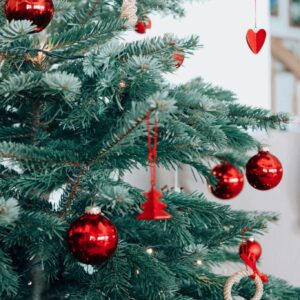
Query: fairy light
{"type": "Point", "coordinates": [199, 262]}
{"type": "Point", "coordinates": [150, 251]}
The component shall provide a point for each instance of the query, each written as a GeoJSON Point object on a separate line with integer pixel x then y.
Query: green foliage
{"type": "Point", "coordinates": [67, 124]}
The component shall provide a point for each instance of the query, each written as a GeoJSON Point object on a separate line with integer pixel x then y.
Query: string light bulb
{"type": "Point", "coordinates": [199, 262]}
{"type": "Point", "coordinates": [150, 251]}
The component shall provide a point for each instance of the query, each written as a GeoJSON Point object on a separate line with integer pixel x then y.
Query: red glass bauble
{"type": "Point", "coordinates": [40, 12]}
{"type": "Point", "coordinates": [140, 27]}
{"type": "Point", "coordinates": [252, 249]}
{"type": "Point", "coordinates": [230, 181]}
{"type": "Point", "coordinates": [264, 171]}
{"type": "Point", "coordinates": [143, 24]}
{"type": "Point", "coordinates": [179, 58]}
{"type": "Point", "coordinates": [92, 238]}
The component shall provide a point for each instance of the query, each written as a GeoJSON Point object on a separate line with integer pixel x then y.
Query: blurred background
{"type": "Point", "coordinates": [271, 80]}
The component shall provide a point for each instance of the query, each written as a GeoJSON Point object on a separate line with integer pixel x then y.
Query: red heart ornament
{"type": "Point", "coordinates": [256, 39]}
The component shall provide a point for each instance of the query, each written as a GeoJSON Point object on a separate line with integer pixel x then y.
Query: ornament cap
{"type": "Point", "coordinates": [122, 84]}
{"type": "Point", "coordinates": [264, 148]}
{"type": "Point", "coordinates": [251, 239]}
{"type": "Point", "coordinates": [93, 210]}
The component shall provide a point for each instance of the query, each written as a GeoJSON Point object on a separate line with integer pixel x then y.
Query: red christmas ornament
{"type": "Point", "coordinates": [251, 248]}
{"type": "Point", "coordinates": [256, 39]}
{"type": "Point", "coordinates": [179, 58]}
{"type": "Point", "coordinates": [92, 237]}
{"type": "Point", "coordinates": [230, 181]}
{"type": "Point", "coordinates": [40, 12]}
{"type": "Point", "coordinates": [148, 22]}
{"type": "Point", "coordinates": [153, 208]}
{"type": "Point", "coordinates": [250, 252]}
{"type": "Point", "coordinates": [264, 170]}
{"type": "Point", "coordinates": [143, 24]}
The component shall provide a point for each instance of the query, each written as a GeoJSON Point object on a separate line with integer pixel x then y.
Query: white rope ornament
{"type": "Point", "coordinates": [235, 278]}
{"type": "Point", "coordinates": [129, 10]}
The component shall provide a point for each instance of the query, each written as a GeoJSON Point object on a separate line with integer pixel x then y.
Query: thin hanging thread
{"type": "Point", "coordinates": [152, 149]}
{"type": "Point", "coordinates": [176, 183]}
{"type": "Point", "coordinates": [255, 14]}
{"type": "Point", "coordinates": [244, 243]}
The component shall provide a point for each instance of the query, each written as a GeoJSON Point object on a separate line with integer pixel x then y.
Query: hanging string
{"type": "Point", "coordinates": [153, 208]}
{"type": "Point", "coordinates": [255, 14]}
{"type": "Point", "coordinates": [129, 10]}
{"type": "Point", "coordinates": [176, 181]}
{"type": "Point", "coordinates": [152, 149]}
{"type": "Point", "coordinates": [245, 244]}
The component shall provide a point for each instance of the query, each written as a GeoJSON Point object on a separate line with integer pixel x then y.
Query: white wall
{"type": "Point", "coordinates": [226, 61]}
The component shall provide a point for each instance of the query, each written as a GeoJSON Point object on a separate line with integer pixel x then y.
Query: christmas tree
{"type": "Point", "coordinates": [74, 103]}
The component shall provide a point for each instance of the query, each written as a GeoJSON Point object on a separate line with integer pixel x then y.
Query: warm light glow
{"type": "Point", "coordinates": [150, 251]}
{"type": "Point", "coordinates": [199, 262]}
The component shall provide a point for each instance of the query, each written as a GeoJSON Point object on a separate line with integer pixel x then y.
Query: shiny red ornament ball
{"type": "Point", "coordinates": [264, 171]}
{"type": "Point", "coordinates": [92, 237]}
{"type": "Point", "coordinates": [252, 249]}
{"type": "Point", "coordinates": [230, 181]}
{"type": "Point", "coordinates": [179, 58]}
{"type": "Point", "coordinates": [40, 12]}
{"type": "Point", "coordinates": [143, 24]}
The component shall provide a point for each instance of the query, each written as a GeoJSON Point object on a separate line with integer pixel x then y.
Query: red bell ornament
{"type": "Point", "coordinates": [40, 12]}
{"type": "Point", "coordinates": [230, 181]}
{"type": "Point", "coordinates": [178, 56]}
{"type": "Point", "coordinates": [264, 171]}
{"type": "Point", "coordinates": [92, 238]}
